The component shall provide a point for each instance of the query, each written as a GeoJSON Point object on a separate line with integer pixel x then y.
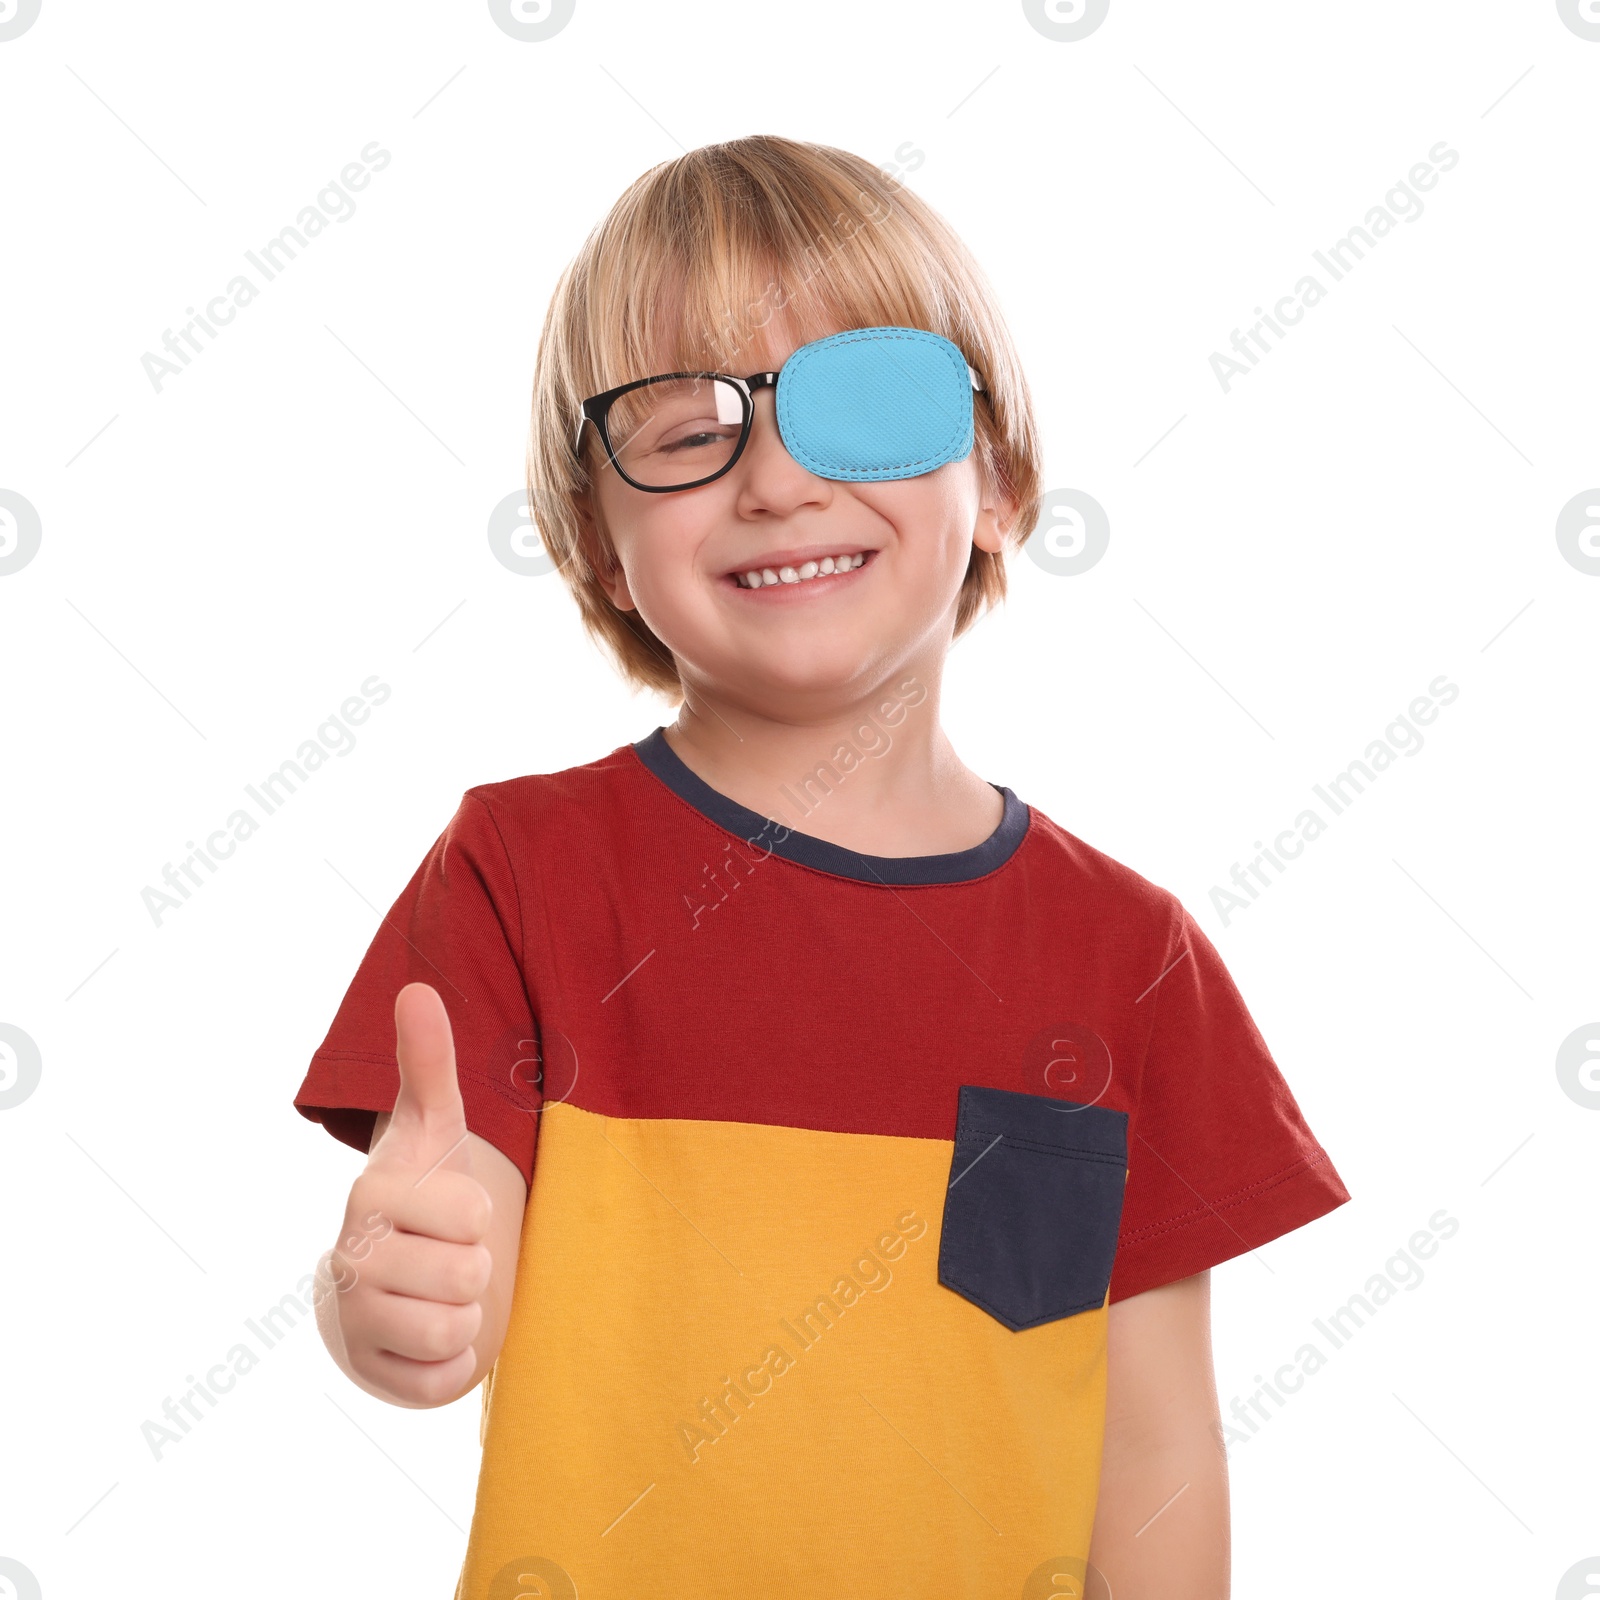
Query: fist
{"type": "Point", "coordinates": [411, 1265]}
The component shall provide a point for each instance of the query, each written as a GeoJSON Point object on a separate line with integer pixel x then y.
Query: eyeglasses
{"type": "Point", "coordinates": [866, 405]}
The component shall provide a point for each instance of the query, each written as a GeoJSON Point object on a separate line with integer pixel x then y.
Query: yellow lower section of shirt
{"type": "Point", "coordinates": [731, 1371]}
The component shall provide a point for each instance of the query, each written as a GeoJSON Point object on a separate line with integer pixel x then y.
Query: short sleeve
{"type": "Point", "coordinates": [1220, 1159]}
{"type": "Point", "coordinates": [457, 926]}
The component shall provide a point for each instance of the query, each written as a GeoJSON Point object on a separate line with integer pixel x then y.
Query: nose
{"type": "Point", "coordinates": [765, 436]}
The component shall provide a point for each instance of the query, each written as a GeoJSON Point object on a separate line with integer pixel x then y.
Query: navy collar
{"type": "Point", "coordinates": [761, 833]}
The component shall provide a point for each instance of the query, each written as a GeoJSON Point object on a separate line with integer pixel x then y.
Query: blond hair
{"type": "Point", "coordinates": [694, 258]}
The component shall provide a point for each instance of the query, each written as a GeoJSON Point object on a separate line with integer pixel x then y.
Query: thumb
{"type": "Point", "coordinates": [428, 1114]}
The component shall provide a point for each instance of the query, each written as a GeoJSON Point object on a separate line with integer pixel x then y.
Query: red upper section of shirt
{"type": "Point", "coordinates": [598, 938]}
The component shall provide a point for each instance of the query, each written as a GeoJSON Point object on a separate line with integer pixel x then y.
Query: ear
{"type": "Point", "coordinates": [996, 513]}
{"type": "Point", "coordinates": [603, 563]}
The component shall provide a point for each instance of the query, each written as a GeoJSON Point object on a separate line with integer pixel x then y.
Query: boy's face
{"type": "Point", "coordinates": [800, 646]}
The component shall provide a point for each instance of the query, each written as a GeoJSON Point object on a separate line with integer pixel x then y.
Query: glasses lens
{"type": "Point", "coordinates": [677, 430]}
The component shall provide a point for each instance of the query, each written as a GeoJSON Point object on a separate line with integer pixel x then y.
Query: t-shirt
{"type": "Point", "coordinates": [836, 1163]}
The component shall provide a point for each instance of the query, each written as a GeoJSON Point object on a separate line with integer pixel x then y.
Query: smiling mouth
{"type": "Point", "coordinates": [804, 572]}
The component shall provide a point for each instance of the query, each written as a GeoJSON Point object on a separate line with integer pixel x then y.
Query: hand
{"type": "Point", "coordinates": [411, 1265]}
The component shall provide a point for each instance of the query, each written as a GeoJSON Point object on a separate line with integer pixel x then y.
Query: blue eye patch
{"type": "Point", "coordinates": [874, 404]}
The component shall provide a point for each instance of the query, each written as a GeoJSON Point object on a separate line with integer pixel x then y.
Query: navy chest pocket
{"type": "Point", "coordinates": [1033, 1204]}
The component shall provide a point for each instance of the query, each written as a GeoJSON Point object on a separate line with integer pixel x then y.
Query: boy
{"type": "Point", "coordinates": [816, 1152]}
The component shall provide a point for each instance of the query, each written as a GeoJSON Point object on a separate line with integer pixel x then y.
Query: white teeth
{"type": "Point", "coordinates": [763, 577]}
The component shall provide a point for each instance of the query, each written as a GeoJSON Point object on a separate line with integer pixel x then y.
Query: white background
{"type": "Point", "coordinates": [223, 562]}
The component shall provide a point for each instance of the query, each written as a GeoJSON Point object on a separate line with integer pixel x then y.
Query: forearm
{"type": "Point", "coordinates": [1161, 1530]}
{"type": "Point", "coordinates": [1161, 1525]}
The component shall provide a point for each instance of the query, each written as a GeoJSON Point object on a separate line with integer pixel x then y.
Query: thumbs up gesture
{"type": "Point", "coordinates": [411, 1267]}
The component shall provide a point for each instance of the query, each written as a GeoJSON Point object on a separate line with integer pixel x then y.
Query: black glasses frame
{"type": "Point", "coordinates": [597, 408]}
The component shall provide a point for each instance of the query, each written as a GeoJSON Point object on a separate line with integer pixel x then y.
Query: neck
{"type": "Point", "coordinates": [877, 774]}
